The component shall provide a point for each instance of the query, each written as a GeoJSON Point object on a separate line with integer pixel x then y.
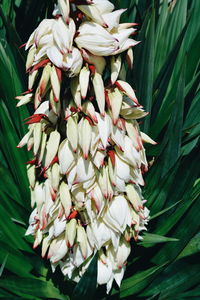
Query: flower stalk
{"type": "Point", "coordinates": [89, 157]}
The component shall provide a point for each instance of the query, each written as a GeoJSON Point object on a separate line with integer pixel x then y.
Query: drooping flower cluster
{"type": "Point", "coordinates": [89, 158]}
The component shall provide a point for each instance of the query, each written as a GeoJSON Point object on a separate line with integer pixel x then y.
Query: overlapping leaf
{"type": "Point", "coordinates": [166, 78]}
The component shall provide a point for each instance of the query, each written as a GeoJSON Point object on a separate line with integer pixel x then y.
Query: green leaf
{"type": "Point", "coordinates": [147, 66]}
{"type": "Point", "coordinates": [182, 190]}
{"type": "Point", "coordinates": [174, 132]}
{"type": "Point", "coordinates": [191, 294]}
{"type": "Point", "coordinates": [192, 247]}
{"type": "Point", "coordinates": [3, 265]}
{"type": "Point", "coordinates": [86, 287]}
{"type": "Point", "coordinates": [10, 87]}
{"type": "Point", "coordinates": [176, 278]}
{"type": "Point", "coordinates": [11, 233]}
{"type": "Point", "coordinates": [12, 155]}
{"type": "Point", "coordinates": [182, 232]}
{"type": "Point", "coordinates": [33, 287]}
{"type": "Point", "coordinates": [137, 282]}
{"type": "Point", "coordinates": [162, 82]}
{"type": "Point", "coordinates": [149, 239]}
{"type": "Point", "coordinates": [16, 262]}
{"type": "Point", "coordinates": [164, 210]}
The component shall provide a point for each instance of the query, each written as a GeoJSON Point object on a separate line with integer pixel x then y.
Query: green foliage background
{"type": "Point", "coordinates": [166, 264]}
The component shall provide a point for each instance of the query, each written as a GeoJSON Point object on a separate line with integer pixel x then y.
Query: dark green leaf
{"type": "Point", "coordinates": [86, 287]}
{"type": "Point", "coordinates": [32, 287]}
{"type": "Point", "coordinates": [149, 239]}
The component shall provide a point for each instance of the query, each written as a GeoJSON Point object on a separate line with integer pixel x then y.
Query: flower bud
{"type": "Point", "coordinates": [70, 233]}
{"type": "Point", "coordinates": [52, 147]}
{"type": "Point", "coordinates": [65, 198]}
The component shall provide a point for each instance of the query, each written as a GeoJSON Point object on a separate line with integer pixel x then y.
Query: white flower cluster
{"type": "Point", "coordinates": [89, 158]}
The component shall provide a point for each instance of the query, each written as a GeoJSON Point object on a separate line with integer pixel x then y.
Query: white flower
{"type": "Point", "coordinates": [94, 38]}
{"type": "Point", "coordinates": [105, 273]}
{"type": "Point", "coordinates": [88, 150]}
{"type": "Point", "coordinates": [54, 39]}
{"type": "Point", "coordinates": [118, 214]}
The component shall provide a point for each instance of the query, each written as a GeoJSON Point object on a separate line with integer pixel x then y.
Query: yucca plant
{"type": "Point", "coordinates": [164, 265]}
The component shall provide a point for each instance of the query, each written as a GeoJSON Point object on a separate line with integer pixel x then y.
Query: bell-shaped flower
{"type": "Point", "coordinates": [92, 12]}
{"type": "Point", "coordinates": [59, 226]}
{"type": "Point", "coordinates": [118, 136]}
{"type": "Point", "coordinates": [104, 127]}
{"type": "Point", "coordinates": [65, 150]}
{"type": "Point", "coordinates": [104, 274]}
{"type": "Point", "coordinates": [94, 38]}
{"type": "Point", "coordinates": [44, 28]}
{"type": "Point", "coordinates": [122, 253]}
{"type": "Point", "coordinates": [118, 214]}
{"type": "Point", "coordinates": [85, 170]}
{"type": "Point", "coordinates": [32, 222]}
{"type": "Point", "coordinates": [71, 62]}
{"type": "Point", "coordinates": [77, 255]}
{"type": "Point", "coordinates": [57, 250]}
{"type": "Point", "coordinates": [84, 77]}
{"type": "Point", "coordinates": [54, 39]}
{"type": "Point", "coordinates": [96, 195]}
{"type": "Point", "coordinates": [101, 233]}
{"type": "Point", "coordinates": [122, 169]}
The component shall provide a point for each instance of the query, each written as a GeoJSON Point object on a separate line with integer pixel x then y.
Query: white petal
{"type": "Point", "coordinates": [59, 226]}
{"type": "Point", "coordinates": [98, 85]}
{"type": "Point", "coordinates": [118, 275]}
{"type": "Point", "coordinates": [67, 157]}
{"type": "Point", "coordinates": [118, 214]}
{"type": "Point", "coordinates": [52, 147]}
{"type": "Point", "coordinates": [104, 273]}
{"type": "Point", "coordinates": [85, 170]}
{"type": "Point", "coordinates": [104, 126]}
{"type": "Point", "coordinates": [101, 233]}
{"type": "Point", "coordinates": [65, 198]}
{"type": "Point", "coordinates": [93, 13]}
{"type": "Point", "coordinates": [112, 19]}
{"type": "Point", "coordinates": [118, 137]}
{"type": "Point", "coordinates": [126, 45]}
{"type": "Point", "coordinates": [84, 81]}
{"type": "Point", "coordinates": [55, 56]}
{"type": "Point", "coordinates": [94, 38]}
{"type": "Point", "coordinates": [59, 250]}
{"type": "Point", "coordinates": [104, 6]}
{"type": "Point", "coordinates": [122, 169]}
{"type": "Point", "coordinates": [115, 68]}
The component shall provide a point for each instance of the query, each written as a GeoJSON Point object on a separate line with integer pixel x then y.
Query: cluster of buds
{"type": "Point", "coordinates": [89, 158]}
